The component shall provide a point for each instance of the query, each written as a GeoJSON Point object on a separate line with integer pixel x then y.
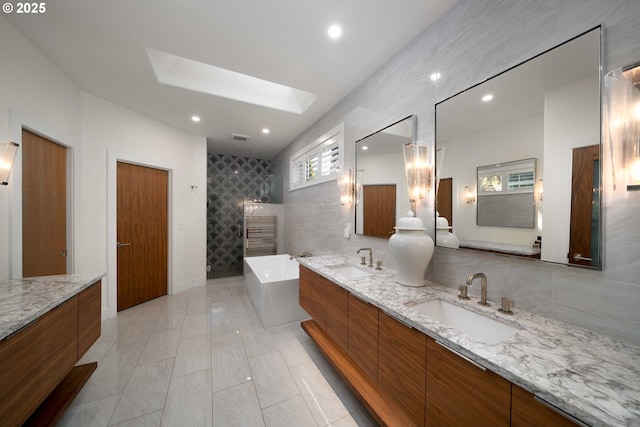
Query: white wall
{"type": "Point", "coordinates": [35, 94]}
{"type": "Point", "coordinates": [471, 42]}
{"type": "Point", "coordinates": [575, 104]}
{"type": "Point", "coordinates": [514, 141]}
{"type": "Point", "coordinates": [111, 133]}
{"type": "Point", "coordinates": [384, 169]}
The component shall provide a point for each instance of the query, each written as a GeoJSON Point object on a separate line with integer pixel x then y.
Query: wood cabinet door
{"type": "Point", "coordinates": [304, 289]}
{"type": "Point", "coordinates": [337, 314]}
{"type": "Point", "coordinates": [89, 317]}
{"type": "Point", "coordinates": [526, 411]}
{"type": "Point", "coordinates": [362, 330]}
{"type": "Point", "coordinates": [402, 364]}
{"type": "Point", "coordinates": [312, 296]}
{"type": "Point", "coordinates": [461, 394]}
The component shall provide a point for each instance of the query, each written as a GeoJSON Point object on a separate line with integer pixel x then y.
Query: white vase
{"type": "Point", "coordinates": [412, 251]}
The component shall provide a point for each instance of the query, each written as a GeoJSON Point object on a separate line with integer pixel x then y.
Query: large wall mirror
{"type": "Point", "coordinates": [382, 195]}
{"type": "Point", "coordinates": [527, 142]}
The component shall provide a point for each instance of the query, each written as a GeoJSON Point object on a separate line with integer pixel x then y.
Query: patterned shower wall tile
{"type": "Point", "coordinates": [233, 180]}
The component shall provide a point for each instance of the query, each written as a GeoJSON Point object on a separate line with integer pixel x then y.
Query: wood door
{"type": "Point", "coordinates": [379, 210]}
{"type": "Point", "coordinates": [444, 202]}
{"type": "Point", "coordinates": [142, 200]}
{"type": "Point", "coordinates": [584, 206]}
{"type": "Point", "coordinates": [44, 206]}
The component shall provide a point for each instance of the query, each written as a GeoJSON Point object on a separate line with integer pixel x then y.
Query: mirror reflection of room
{"type": "Point", "coordinates": [382, 195]}
{"type": "Point", "coordinates": [545, 111]}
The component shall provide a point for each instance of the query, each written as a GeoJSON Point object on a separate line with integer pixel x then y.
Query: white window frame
{"type": "Point", "coordinates": [329, 145]}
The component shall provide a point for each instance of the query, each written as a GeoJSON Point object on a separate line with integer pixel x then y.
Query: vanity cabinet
{"type": "Point", "coordinates": [37, 362]}
{"type": "Point", "coordinates": [402, 364]}
{"type": "Point", "coordinates": [337, 314]}
{"type": "Point", "coordinates": [461, 393]}
{"type": "Point", "coordinates": [526, 411]}
{"type": "Point", "coordinates": [313, 297]}
{"type": "Point", "coordinates": [363, 335]}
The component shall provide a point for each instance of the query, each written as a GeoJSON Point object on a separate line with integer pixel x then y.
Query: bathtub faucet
{"type": "Point", "coordinates": [305, 254]}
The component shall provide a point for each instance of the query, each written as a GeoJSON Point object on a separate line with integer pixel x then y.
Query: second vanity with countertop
{"type": "Point", "coordinates": [411, 369]}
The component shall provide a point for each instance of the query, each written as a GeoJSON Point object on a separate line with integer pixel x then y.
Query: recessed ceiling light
{"type": "Point", "coordinates": [334, 31]}
{"type": "Point", "coordinates": [435, 76]}
{"type": "Point", "coordinates": [487, 98]}
{"type": "Point", "coordinates": [265, 130]}
{"type": "Point", "coordinates": [364, 147]}
{"type": "Point", "coordinates": [195, 118]}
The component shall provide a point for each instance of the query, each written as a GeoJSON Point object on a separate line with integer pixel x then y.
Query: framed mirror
{"type": "Point", "coordinates": [381, 185]}
{"type": "Point", "coordinates": [545, 111]}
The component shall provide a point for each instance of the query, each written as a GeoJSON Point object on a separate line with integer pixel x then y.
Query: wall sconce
{"type": "Point", "coordinates": [540, 189]}
{"type": "Point", "coordinates": [623, 87]}
{"type": "Point", "coordinates": [346, 185]}
{"type": "Point", "coordinates": [469, 194]}
{"type": "Point", "coordinates": [8, 153]}
{"type": "Point", "coordinates": [418, 172]}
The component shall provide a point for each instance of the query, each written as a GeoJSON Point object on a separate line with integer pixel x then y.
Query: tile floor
{"type": "Point", "coordinates": [202, 358]}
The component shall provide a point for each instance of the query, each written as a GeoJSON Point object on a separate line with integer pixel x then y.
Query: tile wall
{"type": "Point", "coordinates": [471, 42]}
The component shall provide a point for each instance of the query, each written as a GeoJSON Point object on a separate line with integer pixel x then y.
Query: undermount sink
{"type": "Point", "coordinates": [472, 324]}
{"type": "Point", "coordinates": [349, 271]}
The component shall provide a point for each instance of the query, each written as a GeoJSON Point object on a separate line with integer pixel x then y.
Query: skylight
{"type": "Point", "coordinates": [200, 77]}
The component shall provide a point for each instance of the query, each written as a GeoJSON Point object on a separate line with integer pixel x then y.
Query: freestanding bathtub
{"type": "Point", "coordinates": [272, 282]}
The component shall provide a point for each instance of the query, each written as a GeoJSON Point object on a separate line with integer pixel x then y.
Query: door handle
{"type": "Point", "coordinates": [579, 257]}
{"type": "Point", "coordinates": [63, 252]}
{"type": "Point", "coordinates": [120, 244]}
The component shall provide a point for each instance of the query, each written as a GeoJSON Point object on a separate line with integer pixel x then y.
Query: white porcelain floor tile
{"type": "Point", "coordinates": [272, 379]}
{"type": "Point", "coordinates": [325, 402]}
{"type": "Point", "coordinates": [237, 406]}
{"type": "Point", "coordinates": [258, 342]}
{"type": "Point", "coordinates": [176, 362]}
{"type": "Point", "coordinates": [189, 401]}
{"type": "Point", "coordinates": [110, 378]}
{"type": "Point", "coordinates": [292, 412]}
{"type": "Point", "coordinates": [161, 345]}
{"type": "Point", "coordinates": [149, 420]}
{"type": "Point", "coordinates": [195, 325]}
{"type": "Point", "coordinates": [229, 366]}
{"type": "Point", "coordinates": [146, 391]}
{"type": "Point", "coordinates": [194, 354]}
{"type": "Point", "coordinates": [89, 414]}
{"type": "Point", "coordinates": [225, 331]}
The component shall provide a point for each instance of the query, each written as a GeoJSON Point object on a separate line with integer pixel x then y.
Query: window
{"type": "Point", "coordinates": [318, 162]}
{"type": "Point", "coordinates": [507, 178]}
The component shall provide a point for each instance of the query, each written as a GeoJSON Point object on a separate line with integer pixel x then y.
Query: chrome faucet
{"type": "Point", "coordinates": [370, 255]}
{"type": "Point", "coordinates": [483, 287]}
{"type": "Point", "coordinates": [305, 254]}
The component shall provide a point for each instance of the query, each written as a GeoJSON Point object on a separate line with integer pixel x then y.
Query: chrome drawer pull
{"type": "Point", "coordinates": [476, 364]}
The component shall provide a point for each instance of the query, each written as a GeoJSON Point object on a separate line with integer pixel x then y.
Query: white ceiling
{"type": "Point", "coordinates": [102, 47]}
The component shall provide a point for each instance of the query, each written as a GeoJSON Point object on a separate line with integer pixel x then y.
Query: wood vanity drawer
{"type": "Point", "coordinates": [35, 359]}
{"type": "Point", "coordinates": [459, 393]}
{"type": "Point", "coordinates": [526, 411]}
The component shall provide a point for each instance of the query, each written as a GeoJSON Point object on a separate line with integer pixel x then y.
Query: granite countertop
{"type": "Point", "coordinates": [588, 375]}
{"type": "Point", "coordinates": [24, 300]}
